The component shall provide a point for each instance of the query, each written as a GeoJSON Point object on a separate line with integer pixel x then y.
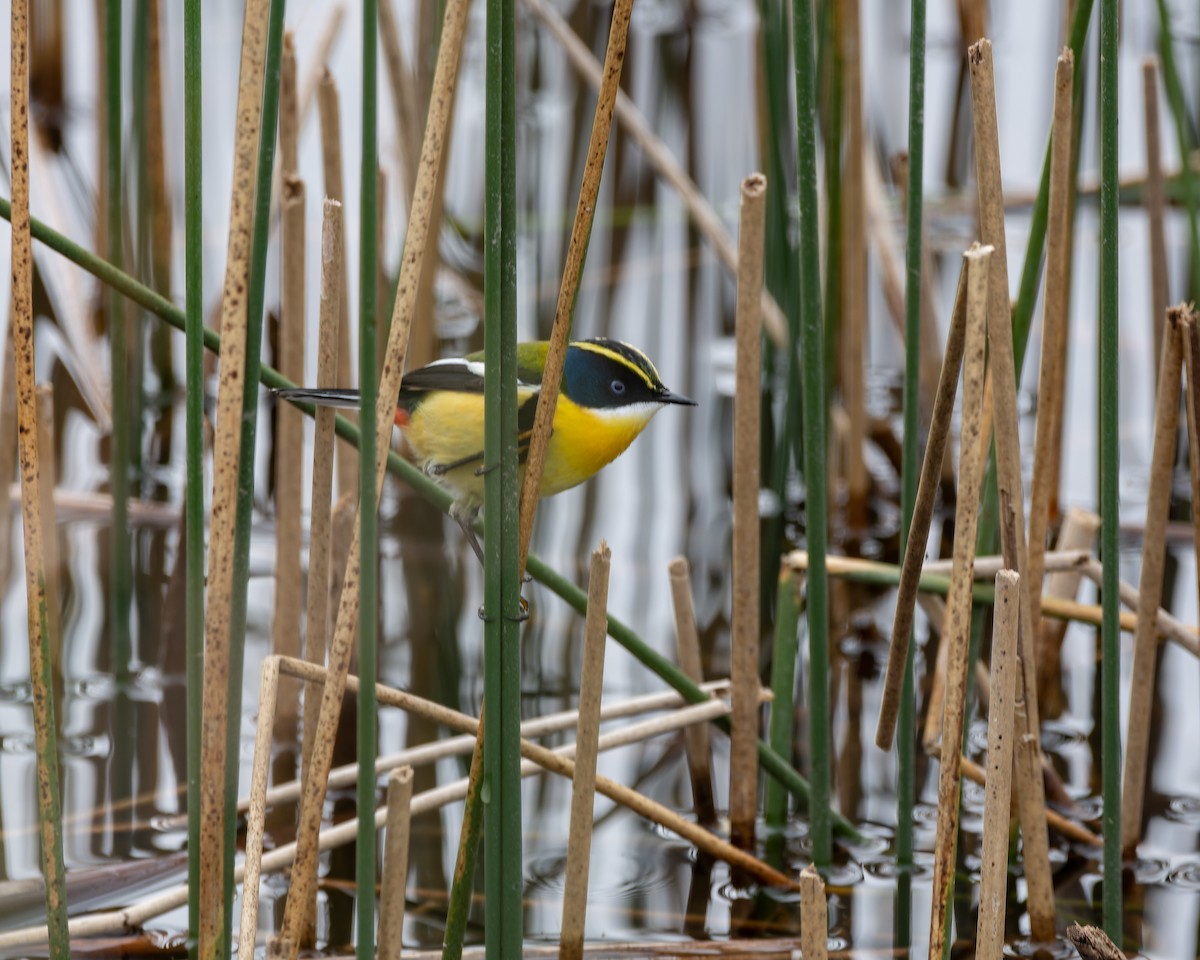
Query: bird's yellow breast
{"type": "Point", "coordinates": [447, 427]}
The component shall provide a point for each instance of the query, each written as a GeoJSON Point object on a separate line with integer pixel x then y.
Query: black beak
{"type": "Point", "coordinates": [668, 397]}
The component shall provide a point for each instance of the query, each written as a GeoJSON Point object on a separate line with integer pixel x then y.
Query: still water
{"type": "Point", "coordinates": [652, 280]}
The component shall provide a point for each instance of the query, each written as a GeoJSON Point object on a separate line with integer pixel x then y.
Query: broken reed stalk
{"type": "Point", "coordinates": [581, 231]}
{"type": "Point", "coordinates": [993, 874]}
{"type": "Point", "coordinates": [449, 51]}
{"type": "Point", "coordinates": [268, 718]}
{"type": "Point", "coordinates": [44, 398]}
{"type": "Point", "coordinates": [687, 646]}
{"type": "Point", "coordinates": [8, 451]}
{"type": "Point", "coordinates": [1030, 800]}
{"type": "Point", "coordinates": [226, 448]}
{"type": "Point", "coordinates": [957, 629]}
{"type": "Point", "coordinates": [814, 915]}
{"type": "Point", "coordinates": [583, 785]}
{"type": "Point", "coordinates": [1190, 334]}
{"type": "Point", "coordinates": [705, 218]}
{"type": "Point", "coordinates": [132, 917]}
{"type": "Point", "coordinates": [289, 429]}
{"type": "Point", "coordinates": [1048, 430]}
{"type": "Point", "coordinates": [1145, 645]}
{"type": "Point", "coordinates": [783, 688]}
{"type": "Point", "coordinates": [395, 855]}
{"type": "Point", "coordinates": [918, 531]}
{"type": "Point", "coordinates": [329, 112]}
{"type": "Point", "coordinates": [1077, 532]}
{"type": "Point", "coordinates": [49, 794]}
{"type": "Point", "coordinates": [853, 322]}
{"type": "Point", "coordinates": [747, 458]}
{"type": "Point", "coordinates": [317, 606]}
{"type": "Point", "coordinates": [1153, 198]}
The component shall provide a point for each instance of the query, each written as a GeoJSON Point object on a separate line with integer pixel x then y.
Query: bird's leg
{"type": "Point", "coordinates": [465, 513]}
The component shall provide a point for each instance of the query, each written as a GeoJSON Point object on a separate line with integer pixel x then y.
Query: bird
{"type": "Point", "coordinates": [609, 393]}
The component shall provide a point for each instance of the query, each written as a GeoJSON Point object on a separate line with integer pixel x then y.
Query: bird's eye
{"type": "Point", "coordinates": [617, 387]}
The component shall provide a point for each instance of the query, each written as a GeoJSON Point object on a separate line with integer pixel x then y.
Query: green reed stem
{"type": "Point", "coordinates": [783, 685]}
{"type": "Point", "coordinates": [121, 572]}
{"type": "Point", "coordinates": [193, 140]}
{"type": "Point", "coordinates": [814, 436]}
{"type": "Point", "coordinates": [911, 467]}
{"type": "Point", "coordinates": [416, 479]}
{"type": "Point", "coordinates": [368, 583]}
{"type": "Point", "coordinates": [1183, 133]}
{"type": "Point", "coordinates": [830, 70]}
{"type": "Point", "coordinates": [501, 596]}
{"type": "Point", "coordinates": [245, 498]}
{"type": "Point", "coordinates": [1110, 517]}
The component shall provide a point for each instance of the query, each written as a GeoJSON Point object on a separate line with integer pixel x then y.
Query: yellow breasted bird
{"type": "Point", "coordinates": [609, 393]}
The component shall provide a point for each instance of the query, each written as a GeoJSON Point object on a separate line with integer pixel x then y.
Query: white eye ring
{"type": "Point", "coordinates": [617, 387]}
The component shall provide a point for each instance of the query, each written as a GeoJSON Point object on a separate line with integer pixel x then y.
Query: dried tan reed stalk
{"type": "Point", "coordinates": [226, 451]}
{"type": "Point", "coordinates": [317, 606]}
{"type": "Point", "coordinates": [267, 719]}
{"type": "Point", "coordinates": [687, 646]}
{"type": "Point", "coordinates": [1030, 800]}
{"type": "Point", "coordinates": [8, 452]}
{"type": "Point", "coordinates": [853, 324]}
{"type": "Point", "coordinates": [1154, 201]}
{"type": "Point", "coordinates": [814, 915]}
{"type": "Point", "coordinates": [327, 37]}
{"type": "Point", "coordinates": [432, 156]}
{"type": "Point", "coordinates": [706, 219]}
{"type": "Point", "coordinates": [1047, 443]}
{"type": "Point", "coordinates": [329, 111]}
{"type": "Point", "coordinates": [993, 873]}
{"type": "Point", "coordinates": [918, 531]}
{"type": "Point", "coordinates": [41, 642]}
{"type": "Point", "coordinates": [956, 635]}
{"type": "Point", "coordinates": [581, 232]}
{"type": "Point", "coordinates": [1190, 335]}
{"type": "Point", "coordinates": [1145, 646]}
{"type": "Point", "coordinates": [583, 786]}
{"type": "Point", "coordinates": [395, 860]}
{"type": "Point", "coordinates": [747, 408]}
{"type": "Point", "coordinates": [289, 109]}
{"type": "Point", "coordinates": [289, 440]}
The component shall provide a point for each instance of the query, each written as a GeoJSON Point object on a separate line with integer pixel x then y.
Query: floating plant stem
{"type": "Point", "coordinates": [815, 472]}
{"type": "Point", "coordinates": [121, 569]}
{"type": "Point", "coordinates": [214, 921]}
{"type": "Point", "coordinates": [906, 752]}
{"type": "Point", "coordinates": [49, 793]}
{"type": "Point", "coordinates": [1110, 464]}
{"type": "Point", "coordinates": [368, 492]}
{"type": "Point", "coordinates": [193, 258]}
{"type": "Point", "coordinates": [502, 835]}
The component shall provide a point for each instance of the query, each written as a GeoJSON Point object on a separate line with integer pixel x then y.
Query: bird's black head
{"type": "Point", "coordinates": [605, 374]}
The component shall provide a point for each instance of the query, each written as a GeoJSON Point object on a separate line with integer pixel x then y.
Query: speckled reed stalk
{"type": "Point", "coordinates": [747, 459]}
{"type": "Point", "coordinates": [955, 636]}
{"type": "Point", "coordinates": [993, 877]}
{"type": "Point", "coordinates": [814, 915]}
{"type": "Point", "coordinates": [918, 533]}
{"type": "Point", "coordinates": [49, 796]}
{"type": "Point", "coordinates": [583, 786]}
{"type": "Point", "coordinates": [432, 152]}
{"type": "Point", "coordinates": [1030, 800]}
{"type": "Point", "coordinates": [1145, 645]}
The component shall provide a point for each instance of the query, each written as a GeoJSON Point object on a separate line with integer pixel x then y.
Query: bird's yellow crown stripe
{"type": "Point", "coordinates": [623, 359]}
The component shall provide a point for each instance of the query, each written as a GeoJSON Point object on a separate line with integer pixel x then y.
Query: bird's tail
{"type": "Point", "coordinates": [321, 396]}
